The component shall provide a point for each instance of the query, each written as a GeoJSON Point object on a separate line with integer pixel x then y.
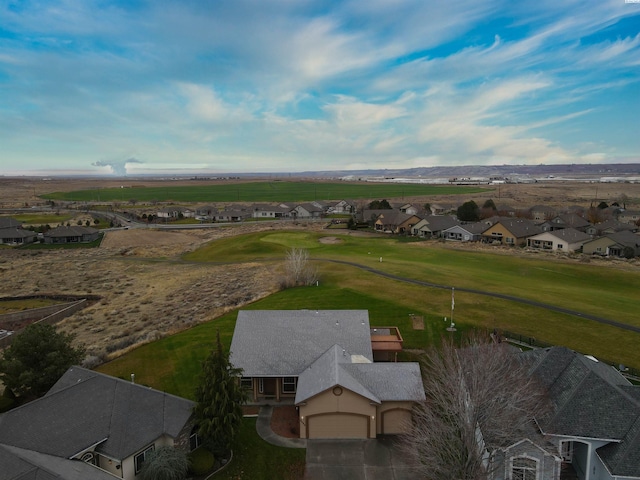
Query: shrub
{"type": "Point", "coordinates": [201, 460]}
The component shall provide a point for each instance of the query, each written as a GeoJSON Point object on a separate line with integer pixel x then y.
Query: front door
{"type": "Point", "coordinates": [268, 387]}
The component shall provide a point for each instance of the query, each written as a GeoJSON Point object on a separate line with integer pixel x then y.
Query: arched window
{"type": "Point", "coordinates": [524, 468]}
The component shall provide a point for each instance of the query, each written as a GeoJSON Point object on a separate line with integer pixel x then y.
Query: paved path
{"type": "Point", "coordinates": [548, 306]}
{"type": "Point", "coordinates": [263, 426]}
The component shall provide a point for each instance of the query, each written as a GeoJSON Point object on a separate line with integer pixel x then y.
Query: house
{"type": "Point", "coordinates": [92, 426]}
{"type": "Point", "coordinates": [433, 226]}
{"type": "Point", "coordinates": [609, 226]}
{"type": "Point", "coordinates": [261, 210]}
{"type": "Point", "coordinates": [629, 216]}
{"type": "Point", "coordinates": [343, 206]}
{"type": "Point", "coordinates": [617, 244]}
{"type": "Point", "coordinates": [205, 212]}
{"type": "Point", "coordinates": [73, 234]}
{"type": "Point", "coordinates": [176, 212]}
{"type": "Point", "coordinates": [594, 423]}
{"type": "Point", "coordinates": [437, 209]}
{"type": "Point", "coordinates": [17, 236]}
{"type": "Point", "coordinates": [323, 362]}
{"type": "Point", "coordinates": [409, 208]}
{"type": "Point", "coordinates": [541, 213]}
{"type": "Point", "coordinates": [12, 233]}
{"type": "Point", "coordinates": [307, 210]}
{"type": "Point", "coordinates": [394, 221]}
{"type": "Point", "coordinates": [567, 220]}
{"type": "Point", "coordinates": [511, 231]}
{"type": "Point", "coordinates": [562, 240]}
{"type": "Point", "coordinates": [469, 232]}
{"type": "Point", "coordinates": [228, 215]}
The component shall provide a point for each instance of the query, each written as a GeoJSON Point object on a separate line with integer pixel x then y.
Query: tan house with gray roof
{"type": "Point", "coordinates": [511, 231]}
{"type": "Point", "coordinates": [323, 362]}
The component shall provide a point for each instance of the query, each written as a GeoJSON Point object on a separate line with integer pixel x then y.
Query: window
{"type": "Point", "coordinates": [261, 385]}
{"type": "Point", "coordinates": [524, 469]}
{"type": "Point", "coordinates": [140, 458]}
{"type": "Point", "coordinates": [559, 246]}
{"type": "Point", "coordinates": [246, 382]}
{"type": "Point", "coordinates": [289, 385]}
{"type": "Point", "coordinates": [194, 442]}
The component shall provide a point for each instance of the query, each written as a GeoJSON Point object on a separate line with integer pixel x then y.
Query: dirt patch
{"type": "Point", "coordinates": [417, 321]}
{"type": "Point", "coordinates": [284, 421]}
{"type": "Point", "coordinates": [330, 240]}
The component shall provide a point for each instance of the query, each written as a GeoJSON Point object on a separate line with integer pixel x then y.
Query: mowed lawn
{"type": "Point", "coordinates": [172, 363]}
{"type": "Point", "coordinates": [277, 191]}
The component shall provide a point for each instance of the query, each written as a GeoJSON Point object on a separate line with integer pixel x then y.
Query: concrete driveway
{"type": "Point", "coordinates": [356, 460]}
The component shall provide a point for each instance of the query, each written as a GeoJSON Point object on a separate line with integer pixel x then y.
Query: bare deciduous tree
{"type": "Point", "coordinates": [298, 271]}
{"type": "Point", "coordinates": [479, 398]}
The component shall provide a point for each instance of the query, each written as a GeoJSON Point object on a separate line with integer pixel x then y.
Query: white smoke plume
{"type": "Point", "coordinates": [118, 167]}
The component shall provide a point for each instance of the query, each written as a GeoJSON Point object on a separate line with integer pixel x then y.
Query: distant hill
{"type": "Point", "coordinates": [573, 170]}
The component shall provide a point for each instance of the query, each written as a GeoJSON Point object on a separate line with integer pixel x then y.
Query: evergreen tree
{"type": "Point", "coordinates": [219, 398]}
{"type": "Point", "coordinates": [468, 212]}
{"type": "Point", "coordinates": [36, 359]}
{"type": "Point", "coordinates": [380, 205]}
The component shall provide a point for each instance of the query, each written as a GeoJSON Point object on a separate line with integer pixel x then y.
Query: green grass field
{"type": "Point", "coordinates": [604, 291]}
{"type": "Point", "coordinates": [42, 219]}
{"type": "Point", "coordinates": [262, 192]}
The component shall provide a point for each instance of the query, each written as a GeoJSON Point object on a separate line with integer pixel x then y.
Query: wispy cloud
{"type": "Point", "coordinates": [275, 85]}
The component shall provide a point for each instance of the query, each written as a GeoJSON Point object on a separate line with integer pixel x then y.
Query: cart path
{"type": "Point", "coordinates": [548, 306]}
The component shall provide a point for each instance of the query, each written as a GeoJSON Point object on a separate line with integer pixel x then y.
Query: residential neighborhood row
{"type": "Point", "coordinates": [604, 230]}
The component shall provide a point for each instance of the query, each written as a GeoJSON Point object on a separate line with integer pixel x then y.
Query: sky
{"type": "Point", "coordinates": [190, 87]}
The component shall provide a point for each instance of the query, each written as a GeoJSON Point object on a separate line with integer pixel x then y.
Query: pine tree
{"type": "Point", "coordinates": [219, 398]}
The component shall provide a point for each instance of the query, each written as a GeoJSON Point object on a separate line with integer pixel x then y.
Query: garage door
{"type": "Point", "coordinates": [338, 426]}
{"type": "Point", "coordinates": [395, 421]}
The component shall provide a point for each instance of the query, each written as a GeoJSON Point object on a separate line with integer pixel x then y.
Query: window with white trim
{"type": "Point", "coordinates": [246, 382]}
{"type": "Point", "coordinates": [524, 468]}
{"type": "Point", "coordinates": [289, 384]}
{"type": "Point", "coordinates": [141, 457]}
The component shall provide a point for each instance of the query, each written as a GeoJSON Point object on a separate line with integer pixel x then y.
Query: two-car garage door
{"type": "Point", "coordinates": [338, 425]}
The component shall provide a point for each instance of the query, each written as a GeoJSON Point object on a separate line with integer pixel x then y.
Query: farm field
{"type": "Point", "coordinates": [261, 192]}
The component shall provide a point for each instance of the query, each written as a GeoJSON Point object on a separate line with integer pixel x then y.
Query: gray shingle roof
{"type": "Point", "coordinates": [86, 408]}
{"type": "Point", "coordinates": [520, 227]}
{"type": "Point", "coordinates": [8, 222]}
{"type": "Point", "coordinates": [437, 223]}
{"type": "Point", "coordinates": [21, 464]}
{"type": "Point", "coordinates": [71, 231]}
{"type": "Point", "coordinates": [592, 400]}
{"type": "Point", "coordinates": [16, 233]}
{"type": "Point", "coordinates": [571, 235]}
{"type": "Point", "coordinates": [285, 342]}
{"type": "Point", "coordinates": [376, 381]}
{"type": "Point", "coordinates": [327, 372]}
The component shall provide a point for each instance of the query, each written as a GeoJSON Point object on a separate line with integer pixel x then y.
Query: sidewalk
{"type": "Point", "coordinates": [263, 426]}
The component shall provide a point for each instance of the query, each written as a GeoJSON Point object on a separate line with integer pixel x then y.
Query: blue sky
{"type": "Point", "coordinates": [294, 85]}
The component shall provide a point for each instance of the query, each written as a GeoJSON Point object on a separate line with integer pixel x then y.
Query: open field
{"type": "Point", "coordinates": [261, 192]}
{"type": "Point", "coordinates": [18, 192]}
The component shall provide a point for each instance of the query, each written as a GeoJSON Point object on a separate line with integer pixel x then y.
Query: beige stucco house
{"type": "Point", "coordinates": [323, 362]}
{"type": "Point", "coordinates": [511, 231]}
{"type": "Point", "coordinates": [563, 240]}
